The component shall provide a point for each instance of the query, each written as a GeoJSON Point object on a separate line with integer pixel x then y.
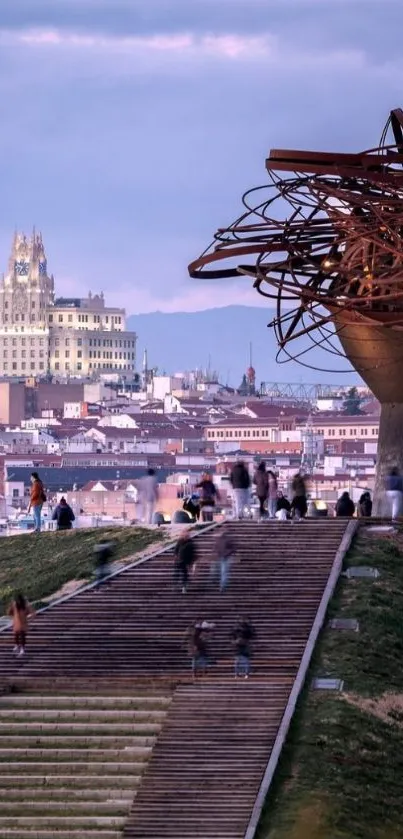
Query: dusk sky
{"type": "Point", "coordinates": [130, 128]}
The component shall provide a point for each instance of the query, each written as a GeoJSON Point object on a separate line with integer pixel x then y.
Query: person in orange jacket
{"type": "Point", "coordinates": [20, 610]}
{"type": "Point", "coordinates": [37, 500]}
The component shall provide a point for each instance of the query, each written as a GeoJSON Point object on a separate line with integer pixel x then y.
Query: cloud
{"type": "Point", "coordinates": [229, 45]}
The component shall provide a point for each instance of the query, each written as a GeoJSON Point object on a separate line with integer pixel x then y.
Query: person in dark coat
{"type": "Point", "coordinates": [63, 515]}
{"type": "Point", "coordinates": [224, 552]}
{"type": "Point", "coordinates": [261, 481]}
{"type": "Point", "coordinates": [364, 508]}
{"type": "Point", "coordinates": [345, 507]}
{"type": "Point", "coordinates": [283, 504]}
{"type": "Point", "coordinates": [240, 482]}
{"type": "Point", "coordinates": [191, 505]}
{"type": "Point", "coordinates": [185, 560]}
{"type": "Point", "coordinates": [197, 641]}
{"type": "Point", "coordinates": [103, 554]}
{"type": "Point", "coordinates": [242, 636]}
{"type": "Point", "coordinates": [299, 504]}
{"type": "Point", "coordinates": [208, 497]}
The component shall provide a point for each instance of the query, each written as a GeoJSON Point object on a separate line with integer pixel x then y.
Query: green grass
{"type": "Point", "coordinates": [39, 565]}
{"type": "Point", "coordinates": [341, 773]}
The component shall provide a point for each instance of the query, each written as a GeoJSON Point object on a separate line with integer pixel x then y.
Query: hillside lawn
{"type": "Point", "coordinates": [341, 773]}
{"type": "Point", "coordinates": [40, 564]}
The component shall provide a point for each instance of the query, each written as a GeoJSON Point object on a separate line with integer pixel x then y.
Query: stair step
{"type": "Point", "coordinates": [72, 768]}
{"type": "Point", "coordinates": [109, 807]}
{"type": "Point", "coordinates": [61, 821]}
{"type": "Point", "coordinates": [141, 745]}
{"type": "Point", "coordinates": [57, 833]}
{"type": "Point", "coordinates": [72, 728]}
{"type": "Point", "coordinates": [85, 783]}
{"type": "Point", "coordinates": [59, 793]}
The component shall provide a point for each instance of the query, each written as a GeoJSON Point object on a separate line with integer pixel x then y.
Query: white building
{"type": "Point", "coordinates": [64, 338]}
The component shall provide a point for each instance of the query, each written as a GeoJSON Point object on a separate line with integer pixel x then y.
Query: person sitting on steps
{"type": "Point", "coordinates": [345, 507]}
{"type": "Point", "coordinates": [63, 515]}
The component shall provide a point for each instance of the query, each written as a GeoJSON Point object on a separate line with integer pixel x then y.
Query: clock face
{"type": "Point", "coordinates": [21, 268]}
{"type": "Point", "coordinates": [42, 268]}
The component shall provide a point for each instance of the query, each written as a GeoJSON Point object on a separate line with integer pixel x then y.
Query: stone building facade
{"type": "Point", "coordinates": [62, 338]}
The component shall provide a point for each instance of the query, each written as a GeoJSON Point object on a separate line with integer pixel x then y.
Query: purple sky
{"type": "Point", "coordinates": [130, 128]}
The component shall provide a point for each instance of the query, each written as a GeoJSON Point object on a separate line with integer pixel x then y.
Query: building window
{"type": "Point", "coordinates": [14, 353]}
{"type": "Point", "coordinates": [57, 365]}
{"type": "Point", "coordinates": [67, 354]}
{"type": "Point", "coordinates": [56, 353]}
{"type": "Point", "coordinates": [79, 342]}
{"type": "Point", "coordinates": [79, 366]}
{"type": "Point", "coordinates": [60, 318]}
{"type": "Point", "coordinates": [17, 317]}
{"type": "Point", "coordinates": [6, 305]}
{"type": "Point", "coordinates": [23, 365]}
{"type": "Point", "coordinates": [32, 365]}
{"type": "Point", "coordinates": [67, 342]}
{"type": "Point", "coordinates": [23, 353]}
{"type": "Point", "coordinates": [79, 354]}
{"type": "Point", "coordinates": [41, 365]}
{"type": "Point", "coordinates": [14, 365]}
{"type": "Point", "coordinates": [70, 318]}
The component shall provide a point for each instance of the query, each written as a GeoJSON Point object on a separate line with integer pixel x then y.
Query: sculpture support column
{"type": "Point", "coordinates": [390, 451]}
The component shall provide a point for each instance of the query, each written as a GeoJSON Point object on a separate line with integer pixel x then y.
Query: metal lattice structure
{"type": "Point", "coordinates": [325, 244]}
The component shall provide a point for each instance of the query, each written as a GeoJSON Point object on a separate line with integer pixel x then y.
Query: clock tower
{"type": "Point", "coordinates": [26, 292]}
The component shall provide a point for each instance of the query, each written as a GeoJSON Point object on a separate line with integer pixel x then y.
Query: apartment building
{"type": "Point", "coordinates": [63, 338]}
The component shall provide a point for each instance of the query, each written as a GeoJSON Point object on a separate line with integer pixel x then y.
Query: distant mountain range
{"type": "Point", "coordinates": [220, 339]}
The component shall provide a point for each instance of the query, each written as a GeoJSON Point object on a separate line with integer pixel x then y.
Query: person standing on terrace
{"type": "Point", "coordinates": [37, 500]}
{"type": "Point", "coordinates": [240, 482]}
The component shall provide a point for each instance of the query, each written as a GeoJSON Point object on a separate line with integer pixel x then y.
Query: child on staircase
{"type": "Point", "coordinates": [20, 610]}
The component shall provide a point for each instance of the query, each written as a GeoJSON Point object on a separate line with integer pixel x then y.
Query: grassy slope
{"type": "Point", "coordinates": [41, 565]}
{"type": "Point", "coordinates": [341, 775]}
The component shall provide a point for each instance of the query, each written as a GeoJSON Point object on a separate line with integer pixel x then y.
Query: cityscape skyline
{"type": "Point", "coordinates": [131, 122]}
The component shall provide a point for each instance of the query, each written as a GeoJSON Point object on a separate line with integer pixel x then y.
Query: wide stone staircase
{"type": "Point", "coordinates": [71, 765]}
{"type": "Point", "coordinates": [133, 627]}
{"type": "Point", "coordinates": [208, 763]}
{"type": "Point", "coordinates": [126, 639]}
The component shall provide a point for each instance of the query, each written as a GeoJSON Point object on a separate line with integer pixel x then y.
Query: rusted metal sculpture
{"type": "Point", "coordinates": [333, 266]}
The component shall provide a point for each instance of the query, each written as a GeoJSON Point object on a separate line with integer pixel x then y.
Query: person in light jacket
{"type": "Point", "coordinates": [148, 492]}
{"type": "Point", "coordinates": [394, 492]}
